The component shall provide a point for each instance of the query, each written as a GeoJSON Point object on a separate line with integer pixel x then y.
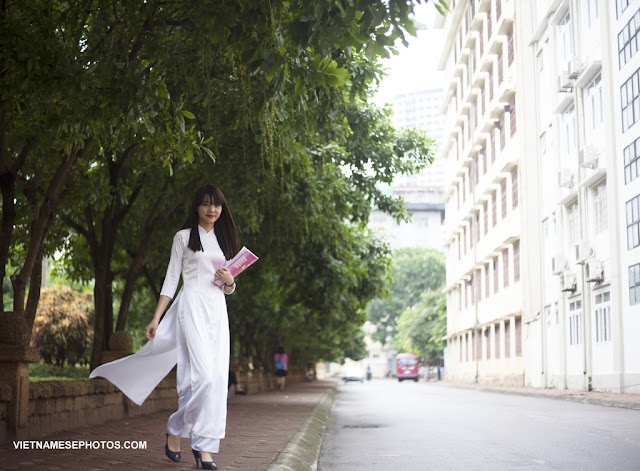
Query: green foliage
{"type": "Point", "coordinates": [268, 100]}
{"type": "Point", "coordinates": [46, 372]}
{"type": "Point", "coordinates": [421, 328]}
{"type": "Point", "coordinates": [414, 271]}
{"type": "Point", "coordinates": [62, 327]}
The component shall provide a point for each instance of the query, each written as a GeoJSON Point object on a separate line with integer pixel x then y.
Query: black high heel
{"type": "Point", "coordinates": [172, 455]}
{"type": "Point", "coordinates": [205, 464]}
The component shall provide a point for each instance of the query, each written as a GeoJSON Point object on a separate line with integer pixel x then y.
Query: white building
{"type": "Point", "coordinates": [423, 193]}
{"type": "Point", "coordinates": [541, 146]}
{"type": "Point", "coordinates": [624, 43]}
{"type": "Point", "coordinates": [483, 147]}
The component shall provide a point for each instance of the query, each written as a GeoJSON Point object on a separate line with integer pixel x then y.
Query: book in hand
{"type": "Point", "coordinates": [244, 259]}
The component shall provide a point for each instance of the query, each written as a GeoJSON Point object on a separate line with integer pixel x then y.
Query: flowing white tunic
{"type": "Point", "coordinates": [194, 333]}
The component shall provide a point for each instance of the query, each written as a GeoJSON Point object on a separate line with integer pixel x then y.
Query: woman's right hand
{"type": "Point", "coordinates": [151, 329]}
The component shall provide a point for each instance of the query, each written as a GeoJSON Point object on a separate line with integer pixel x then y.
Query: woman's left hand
{"type": "Point", "coordinates": [223, 274]}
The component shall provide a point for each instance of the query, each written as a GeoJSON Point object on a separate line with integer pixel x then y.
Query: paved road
{"type": "Point", "coordinates": [386, 425]}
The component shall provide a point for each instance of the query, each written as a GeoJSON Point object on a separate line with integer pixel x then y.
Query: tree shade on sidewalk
{"type": "Point", "coordinates": [258, 427]}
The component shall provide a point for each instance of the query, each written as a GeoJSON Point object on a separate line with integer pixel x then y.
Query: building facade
{"type": "Point", "coordinates": [540, 138]}
{"type": "Point", "coordinates": [423, 193]}
{"type": "Point", "coordinates": [483, 149]}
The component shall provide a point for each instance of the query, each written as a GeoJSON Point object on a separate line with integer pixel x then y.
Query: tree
{"type": "Point", "coordinates": [142, 100]}
{"type": "Point", "coordinates": [422, 327]}
{"type": "Point", "coordinates": [414, 271]}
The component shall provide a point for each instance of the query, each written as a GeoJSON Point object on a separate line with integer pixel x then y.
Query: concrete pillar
{"type": "Point", "coordinates": [15, 356]}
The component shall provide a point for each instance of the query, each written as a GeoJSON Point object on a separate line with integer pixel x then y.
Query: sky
{"type": "Point", "coordinates": [415, 67]}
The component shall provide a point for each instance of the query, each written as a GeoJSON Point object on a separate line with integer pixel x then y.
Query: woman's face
{"type": "Point", "coordinates": [208, 212]}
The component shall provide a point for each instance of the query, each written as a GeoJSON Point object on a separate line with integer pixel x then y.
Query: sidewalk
{"type": "Point", "coordinates": [259, 427]}
{"type": "Point", "coordinates": [625, 400]}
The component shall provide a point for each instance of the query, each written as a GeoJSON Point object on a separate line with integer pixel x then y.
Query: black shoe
{"type": "Point", "coordinates": [172, 455]}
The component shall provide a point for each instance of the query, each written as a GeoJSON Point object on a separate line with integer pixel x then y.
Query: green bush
{"type": "Point", "coordinates": [62, 327]}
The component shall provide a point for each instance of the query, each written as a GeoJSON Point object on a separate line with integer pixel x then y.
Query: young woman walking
{"type": "Point", "coordinates": [194, 332]}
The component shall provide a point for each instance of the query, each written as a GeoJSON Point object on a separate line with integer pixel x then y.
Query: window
{"type": "Point", "coordinates": [510, 46]}
{"type": "Point", "coordinates": [481, 41]}
{"type": "Point", "coordinates": [631, 154]}
{"type": "Point", "coordinates": [566, 44]}
{"type": "Point", "coordinates": [594, 104]}
{"type": "Point", "coordinates": [621, 6]}
{"type": "Point", "coordinates": [493, 146]}
{"type": "Point", "coordinates": [628, 40]}
{"type": "Point", "coordinates": [500, 66]}
{"type": "Point", "coordinates": [477, 227]}
{"type": "Point", "coordinates": [487, 343]}
{"type": "Point", "coordinates": [630, 101]}
{"type": "Point", "coordinates": [634, 284]}
{"type": "Point", "coordinates": [633, 223]}
{"type": "Point", "coordinates": [603, 317]}
{"type": "Point", "coordinates": [512, 115]}
{"type": "Point", "coordinates": [591, 12]}
{"type": "Point", "coordinates": [483, 152]}
{"type": "Point", "coordinates": [500, 126]}
{"type": "Point", "coordinates": [514, 188]}
{"type": "Point", "coordinates": [485, 210]}
{"type": "Point", "coordinates": [460, 341]}
{"type": "Point", "coordinates": [505, 267]}
{"type": "Point", "coordinates": [495, 274]}
{"type": "Point", "coordinates": [518, 332]}
{"type": "Point", "coordinates": [507, 338]}
{"type": "Point", "coordinates": [572, 224]}
{"type": "Point", "coordinates": [600, 208]}
{"type": "Point", "coordinates": [479, 285]}
{"type": "Point", "coordinates": [489, 25]}
{"type": "Point", "coordinates": [575, 322]}
{"type": "Point", "coordinates": [474, 341]}
{"type": "Point", "coordinates": [569, 130]}
{"type": "Point", "coordinates": [496, 334]}
{"type": "Point", "coordinates": [494, 208]}
{"type": "Point", "coordinates": [486, 280]}
{"type": "Point", "coordinates": [516, 261]}
{"type": "Point", "coordinates": [547, 315]}
{"type": "Point", "coordinates": [503, 192]}
{"type": "Point", "coordinates": [491, 83]}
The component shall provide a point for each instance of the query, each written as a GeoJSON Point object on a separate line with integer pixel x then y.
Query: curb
{"type": "Point", "coordinates": [584, 397]}
{"type": "Point", "coordinates": [303, 450]}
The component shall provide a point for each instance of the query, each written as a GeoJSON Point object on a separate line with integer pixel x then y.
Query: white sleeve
{"type": "Point", "coordinates": [174, 270]}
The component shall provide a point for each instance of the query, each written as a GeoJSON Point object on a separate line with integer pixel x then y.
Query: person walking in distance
{"type": "Point", "coordinates": [194, 332]}
{"type": "Point", "coordinates": [281, 359]}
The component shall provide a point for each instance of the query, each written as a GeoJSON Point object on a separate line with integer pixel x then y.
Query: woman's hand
{"type": "Point", "coordinates": [223, 274]}
{"type": "Point", "coordinates": [151, 329]}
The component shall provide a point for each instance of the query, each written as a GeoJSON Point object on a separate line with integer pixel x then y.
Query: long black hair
{"type": "Point", "coordinates": [224, 228]}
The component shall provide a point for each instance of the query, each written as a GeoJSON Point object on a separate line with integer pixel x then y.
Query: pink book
{"type": "Point", "coordinates": [239, 263]}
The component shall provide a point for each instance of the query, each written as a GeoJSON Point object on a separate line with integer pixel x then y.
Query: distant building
{"type": "Point", "coordinates": [423, 193]}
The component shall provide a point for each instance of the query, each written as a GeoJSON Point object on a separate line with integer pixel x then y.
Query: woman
{"type": "Point", "coordinates": [281, 359]}
{"type": "Point", "coordinates": [194, 332]}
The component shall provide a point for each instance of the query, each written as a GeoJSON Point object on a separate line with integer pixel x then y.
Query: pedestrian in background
{"type": "Point", "coordinates": [281, 359]}
{"type": "Point", "coordinates": [194, 333]}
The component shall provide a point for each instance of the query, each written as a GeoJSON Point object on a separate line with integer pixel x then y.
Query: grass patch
{"type": "Point", "coordinates": [45, 372]}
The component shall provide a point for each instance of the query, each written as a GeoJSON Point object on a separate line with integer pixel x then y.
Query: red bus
{"type": "Point", "coordinates": [407, 366]}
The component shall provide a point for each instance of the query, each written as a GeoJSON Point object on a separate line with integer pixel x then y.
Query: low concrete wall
{"type": "Point", "coordinates": [62, 405]}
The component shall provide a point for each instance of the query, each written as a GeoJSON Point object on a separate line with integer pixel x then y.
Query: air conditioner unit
{"type": "Point", "coordinates": [583, 252]}
{"type": "Point", "coordinates": [564, 83]}
{"type": "Point", "coordinates": [565, 178]}
{"type": "Point", "coordinates": [558, 264]}
{"type": "Point", "coordinates": [588, 157]}
{"type": "Point", "coordinates": [594, 272]}
{"type": "Point", "coordinates": [569, 284]}
{"type": "Point", "coordinates": [575, 67]}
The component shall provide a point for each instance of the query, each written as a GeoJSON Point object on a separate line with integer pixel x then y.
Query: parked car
{"type": "Point", "coordinates": [352, 373]}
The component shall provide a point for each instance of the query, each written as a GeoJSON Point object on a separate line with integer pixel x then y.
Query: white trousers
{"type": "Point", "coordinates": [202, 375]}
